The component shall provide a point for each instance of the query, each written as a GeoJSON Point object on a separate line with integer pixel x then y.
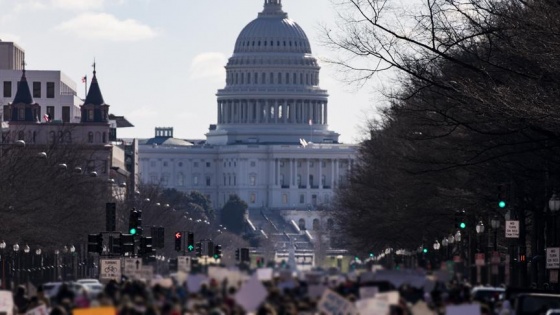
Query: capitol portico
{"type": "Point", "coordinates": [271, 144]}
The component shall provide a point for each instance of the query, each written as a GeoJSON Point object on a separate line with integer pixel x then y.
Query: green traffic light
{"type": "Point", "coordinates": [502, 204]}
{"type": "Point", "coordinates": [190, 248]}
{"type": "Point", "coordinates": [370, 254]}
{"type": "Point", "coordinates": [463, 225]}
{"type": "Point", "coordinates": [425, 250]}
{"type": "Point", "coordinates": [132, 231]}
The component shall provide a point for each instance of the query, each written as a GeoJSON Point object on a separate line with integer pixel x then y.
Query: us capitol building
{"type": "Point", "coordinates": [271, 145]}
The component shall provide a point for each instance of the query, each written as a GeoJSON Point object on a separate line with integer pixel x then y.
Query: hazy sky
{"type": "Point", "coordinates": [161, 62]}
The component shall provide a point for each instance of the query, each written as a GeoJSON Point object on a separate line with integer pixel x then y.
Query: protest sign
{"type": "Point", "coordinates": [372, 306]}
{"type": "Point", "coordinates": [6, 302]}
{"type": "Point", "coordinates": [333, 304]}
{"type": "Point", "coordinates": [463, 309]}
{"type": "Point", "coordinates": [368, 292]}
{"type": "Point", "coordinates": [251, 295]}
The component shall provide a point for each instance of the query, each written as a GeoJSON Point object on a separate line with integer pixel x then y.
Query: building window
{"type": "Point", "coordinates": [50, 89]}
{"type": "Point", "coordinates": [234, 180]}
{"type": "Point", "coordinates": [6, 113]}
{"type": "Point", "coordinates": [195, 164]}
{"type": "Point", "coordinates": [225, 179]}
{"type": "Point", "coordinates": [165, 179]}
{"type": "Point", "coordinates": [152, 163]}
{"type": "Point", "coordinates": [208, 164]}
{"type": "Point", "coordinates": [90, 114]}
{"type": "Point", "coordinates": [180, 164]}
{"type": "Point", "coordinates": [21, 135]}
{"type": "Point", "coordinates": [299, 180]}
{"type": "Point", "coordinates": [90, 137]}
{"type": "Point", "coordinates": [65, 113]}
{"type": "Point", "coordinates": [104, 139]}
{"type": "Point", "coordinates": [253, 163]}
{"type": "Point", "coordinates": [252, 180]}
{"type": "Point", "coordinates": [302, 199]}
{"type": "Point", "coordinates": [284, 199]}
{"type": "Point", "coordinates": [311, 181]}
{"type": "Point", "coordinates": [281, 179]}
{"type": "Point", "coordinates": [50, 112]}
{"type": "Point", "coordinates": [314, 200]}
{"type": "Point", "coordinates": [316, 225]}
{"type": "Point", "coordinates": [301, 224]}
{"type": "Point", "coordinates": [208, 181]}
{"type": "Point", "coordinates": [7, 89]}
{"type": "Point", "coordinates": [164, 163]}
{"type": "Point", "coordinates": [21, 113]}
{"type": "Point", "coordinates": [37, 89]}
{"type": "Point", "coordinates": [323, 180]}
{"type": "Point", "coordinates": [253, 198]}
{"type": "Point", "coordinates": [180, 180]}
{"type": "Point", "coordinates": [330, 224]}
{"type": "Point", "coordinates": [195, 180]}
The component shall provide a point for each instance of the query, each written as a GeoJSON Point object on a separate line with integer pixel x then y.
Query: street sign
{"type": "Point", "coordinates": [184, 264]}
{"type": "Point", "coordinates": [147, 272]}
{"type": "Point", "coordinates": [553, 258]}
{"type": "Point", "coordinates": [512, 229]}
{"type": "Point", "coordinates": [109, 269]}
{"type": "Point", "coordinates": [132, 267]}
{"type": "Point", "coordinates": [479, 259]}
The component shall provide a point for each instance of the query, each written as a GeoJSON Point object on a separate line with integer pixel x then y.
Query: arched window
{"type": "Point", "coordinates": [180, 179]}
{"type": "Point", "coordinates": [104, 137]}
{"type": "Point", "coordinates": [323, 179]}
{"type": "Point", "coordinates": [311, 183]}
{"type": "Point", "coordinates": [21, 135]}
{"type": "Point", "coordinates": [299, 180]}
{"type": "Point", "coordinates": [330, 224]}
{"type": "Point", "coordinates": [316, 225]}
{"type": "Point", "coordinates": [90, 137]}
{"type": "Point", "coordinates": [301, 224]}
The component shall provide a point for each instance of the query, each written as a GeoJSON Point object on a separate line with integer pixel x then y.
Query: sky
{"type": "Point", "coordinates": [160, 62]}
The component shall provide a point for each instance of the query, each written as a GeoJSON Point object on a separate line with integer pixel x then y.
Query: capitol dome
{"type": "Point", "coordinates": [272, 31]}
{"type": "Point", "coordinates": [272, 93]}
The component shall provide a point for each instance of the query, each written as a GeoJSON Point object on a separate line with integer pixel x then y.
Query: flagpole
{"type": "Point", "coordinates": [85, 87]}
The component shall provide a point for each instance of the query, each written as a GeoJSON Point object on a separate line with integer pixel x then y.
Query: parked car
{"type": "Point", "coordinates": [535, 303]}
{"type": "Point", "coordinates": [51, 288]}
{"type": "Point", "coordinates": [488, 294]}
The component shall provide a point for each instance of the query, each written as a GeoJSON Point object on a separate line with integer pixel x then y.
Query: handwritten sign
{"type": "Point", "coordinates": [333, 304]}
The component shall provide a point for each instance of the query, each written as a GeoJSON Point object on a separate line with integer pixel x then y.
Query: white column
{"type": "Point", "coordinates": [320, 173]}
{"type": "Point", "coordinates": [276, 111]}
{"type": "Point", "coordinates": [308, 170]}
{"type": "Point", "coordinates": [291, 179]}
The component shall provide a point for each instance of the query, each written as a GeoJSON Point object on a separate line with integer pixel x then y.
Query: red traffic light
{"type": "Point", "coordinates": [178, 235]}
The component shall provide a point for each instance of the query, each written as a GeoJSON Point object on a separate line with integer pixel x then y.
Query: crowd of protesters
{"type": "Point", "coordinates": [134, 297]}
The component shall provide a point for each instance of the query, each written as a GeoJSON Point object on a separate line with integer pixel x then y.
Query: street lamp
{"type": "Point", "coordinates": [554, 205]}
{"type": "Point", "coordinates": [15, 259]}
{"type": "Point", "coordinates": [3, 258]}
{"type": "Point", "coordinates": [495, 223]}
{"type": "Point", "coordinates": [445, 244]}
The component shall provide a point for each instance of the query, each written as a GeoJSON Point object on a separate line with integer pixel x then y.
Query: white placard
{"type": "Point", "coordinates": [333, 304]}
{"type": "Point", "coordinates": [184, 264]}
{"type": "Point", "coordinates": [251, 295]}
{"type": "Point", "coordinates": [39, 310]}
{"type": "Point", "coordinates": [132, 267]}
{"type": "Point", "coordinates": [110, 269]}
{"type": "Point", "coordinates": [6, 302]}
{"type": "Point", "coordinates": [195, 282]}
{"type": "Point", "coordinates": [463, 309]}
{"type": "Point", "coordinates": [368, 292]}
{"type": "Point", "coordinates": [372, 306]}
{"type": "Point", "coordinates": [512, 229]}
{"type": "Point", "coordinates": [553, 258]}
{"type": "Point", "coordinates": [264, 274]}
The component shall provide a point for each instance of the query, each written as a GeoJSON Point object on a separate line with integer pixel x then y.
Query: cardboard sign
{"type": "Point", "coordinates": [95, 311]}
{"type": "Point", "coordinates": [333, 304]}
{"type": "Point", "coordinates": [251, 295]}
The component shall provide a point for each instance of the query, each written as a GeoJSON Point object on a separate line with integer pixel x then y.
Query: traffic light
{"type": "Point", "coordinates": [245, 255]}
{"type": "Point", "coordinates": [237, 256]}
{"type": "Point", "coordinates": [161, 237]}
{"type": "Point", "coordinates": [260, 262]}
{"type": "Point", "coordinates": [95, 243]}
{"type": "Point", "coordinates": [190, 242]}
{"type": "Point", "coordinates": [198, 249]}
{"type": "Point", "coordinates": [127, 243]}
{"type": "Point", "coordinates": [371, 255]}
{"type": "Point", "coordinates": [178, 241]}
{"type": "Point", "coordinates": [461, 219]}
{"type": "Point", "coordinates": [110, 216]}
{"type": "Point", "coordinates": [133, 222]}
{"type": "Point", "coordinates": [502, 196]}
{"type": "Point", "coordinates": [146, 247]}
{"type": "Point", "coordinates": [217, 251]}
{"type": "Point", "coordinates": [210, 247]}
{"type": "Point", "coordinates": [425, 250]}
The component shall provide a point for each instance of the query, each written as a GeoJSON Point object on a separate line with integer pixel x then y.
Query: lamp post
{"type": "Point", "coordinates": [26, 264]}
{"type": "Point", "coordinates": [436, 247]}
{"type": "Point", "coordinates": [15, 260]}
{"type": "Point", "coordinates": [445, 244]}
{"type": "Point", "coordinates": [495, 223]}
{"type": "Point", "coordinates": [554, 206]}
{"type": "Point", "coordinates": [72, 253]}
{"type": "Point", "coordinates": [56, 265]}
{"type": "Point", "coordinates": [38, 265]}
{"type": "Point", "coordinates": [479, 230]}
{"type": "Point", "coordinates": [3, 258]}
